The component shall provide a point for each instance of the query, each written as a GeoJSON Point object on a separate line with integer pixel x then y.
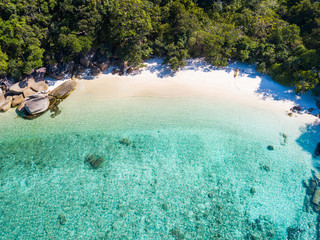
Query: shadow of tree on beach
{"type": "Point", "coordinates": [309, 139]}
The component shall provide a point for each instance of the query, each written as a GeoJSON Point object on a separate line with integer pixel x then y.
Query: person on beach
{"type": "Point", "coordinates": [236, 72]}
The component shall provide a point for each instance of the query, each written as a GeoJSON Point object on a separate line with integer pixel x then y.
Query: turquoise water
{"type": "Point", "coordinates": [194, 169]}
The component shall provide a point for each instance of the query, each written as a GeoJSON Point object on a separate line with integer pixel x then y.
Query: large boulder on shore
{"type": "Point", "coordinates": [40, 86]}
{"type": "Point", "coordinates": [17, 99]}
{"type": "Point", "coordinates": [64, 89]}
{"type": "Point", "coordinates": [18, 87]}
{"type": "Point", "coordinates": [37, 105]}
{"type": "Point", "coordinates": [5, 103]}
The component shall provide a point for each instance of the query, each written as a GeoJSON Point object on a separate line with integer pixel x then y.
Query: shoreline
{"type": "Point", "coordinates": [200, 80]}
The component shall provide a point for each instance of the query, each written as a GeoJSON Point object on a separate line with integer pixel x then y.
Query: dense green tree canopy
{"type": "Point", "coordinates": [281, 36]}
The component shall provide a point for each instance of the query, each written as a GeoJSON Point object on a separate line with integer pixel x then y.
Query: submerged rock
{"type": "Point", "coordinates": [270, 148]}
{"type": "Point", "coordinates": [125, 141]}
{"type": "Point", "coordinates": [62, 219]}
{"type": "Point", "coordinates": [64, 89]}
{"type": "Point", "coordinates": [95, 161]}
{"type": "Point", "coordinates": [176, 234]}
{"type": "Point", "coordinates": [37, 105]}
{"type": "Point", "coordinates": [316, 197]}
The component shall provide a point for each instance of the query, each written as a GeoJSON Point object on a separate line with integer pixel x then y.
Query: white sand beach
{"type": "Point", "coordinates": [201, 80]}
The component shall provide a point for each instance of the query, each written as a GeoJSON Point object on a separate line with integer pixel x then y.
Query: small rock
{"type": "Point", "coordinates": [62, 219]}
{"type": "Point", "coordinates": [115, 71]}
{"type": "Point", "coordinates": [125, 141]}
{"type": "Point", "coordinates": [252, 190]}
{"type": "Point", "coordinates": [270, 147]}
{"type": "Point", "coordinates": [20, 107]}
{"type": "Point", "coordinates": [310, 109]}
{"type": "Point", "coordinates": [164, 206]}
{"type": "Point", "coordinates": [130, 70]}
{"type": "Point", "coordinates": [290, 114]}
{"type": "Point", "coordinates": [265, 167]}
{"type": "Point", "coordinates": [176, 234]}
{"type": "Point", "coordinates": [210, 195]}
{"type": "Point", "coordinates": [17, 99]}
{"type": "Point", "coordinates": [94, 161]}
{"type": "Point", "coordinates": [5, 106]}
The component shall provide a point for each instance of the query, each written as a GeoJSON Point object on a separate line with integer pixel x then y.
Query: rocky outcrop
{"type": "Point", "coordinates": [37, 105]}
{"type": "Point", "coordinates": [57, 71]}
{"type": "Point", "coordinates": [64, 89]}
{"type": "Point", "coordinates": [102, 62]}
{"type": "Point", "coordinates": [86, 60]}
{"type": "Point", "coordinates": [95, 71]}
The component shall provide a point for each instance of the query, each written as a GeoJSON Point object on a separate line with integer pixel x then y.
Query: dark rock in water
{"type": "Point", "coordinates": [176, 234]}
{"type": "Point", "coordinates": [252, 190]}
{"type": "Point", "coordinates": [37, 105]}
{"type": "Point", "coordinates": [317, 151]}
{"type": "Point", "coordinates": [270, 147]}
{"type": "Point", "coordinates": [310, 109]}
{"type": "Point", "coordinates": [95, 161]}
{"type": "Point", "coordinates": [62, 219]}
{"type": "Point", "coordinates": [165, 206]}
{"type": "Point", "coordinates": [296, 108]}
{"type": "Point", "coordinates": [306, 204]}
{"type": "Point", "coordinates": [316, 197]}
{"type": "Point", "coordinates": [210, 195]}
{"type": "Point", "coordinates": [294, 233]}
{"type": "Point", "coordinates": [125, 141]}
{"type": "Point", "coordinates": [64, 89]}
{"type": "Point", "coordinates": [265, 168]}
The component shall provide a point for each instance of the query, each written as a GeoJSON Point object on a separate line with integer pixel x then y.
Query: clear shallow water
{"type": "Point", "coordinates": [189, 172]}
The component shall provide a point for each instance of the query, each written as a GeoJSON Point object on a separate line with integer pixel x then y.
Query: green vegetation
{"type": "Point", "coordinates": [281, 36]}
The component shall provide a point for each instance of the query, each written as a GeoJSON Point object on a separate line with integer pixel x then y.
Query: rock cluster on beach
{"type": "Point", "coordinates": [299, 109]}
{"type": "Point", "coordinates": [31, 97]}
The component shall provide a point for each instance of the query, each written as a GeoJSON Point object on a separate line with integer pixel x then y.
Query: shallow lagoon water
{"type": "Point", "coordinates": [194, 169]}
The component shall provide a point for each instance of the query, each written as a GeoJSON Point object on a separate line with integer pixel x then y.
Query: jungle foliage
{"type": "Point", "coordinates": [281, 36]}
